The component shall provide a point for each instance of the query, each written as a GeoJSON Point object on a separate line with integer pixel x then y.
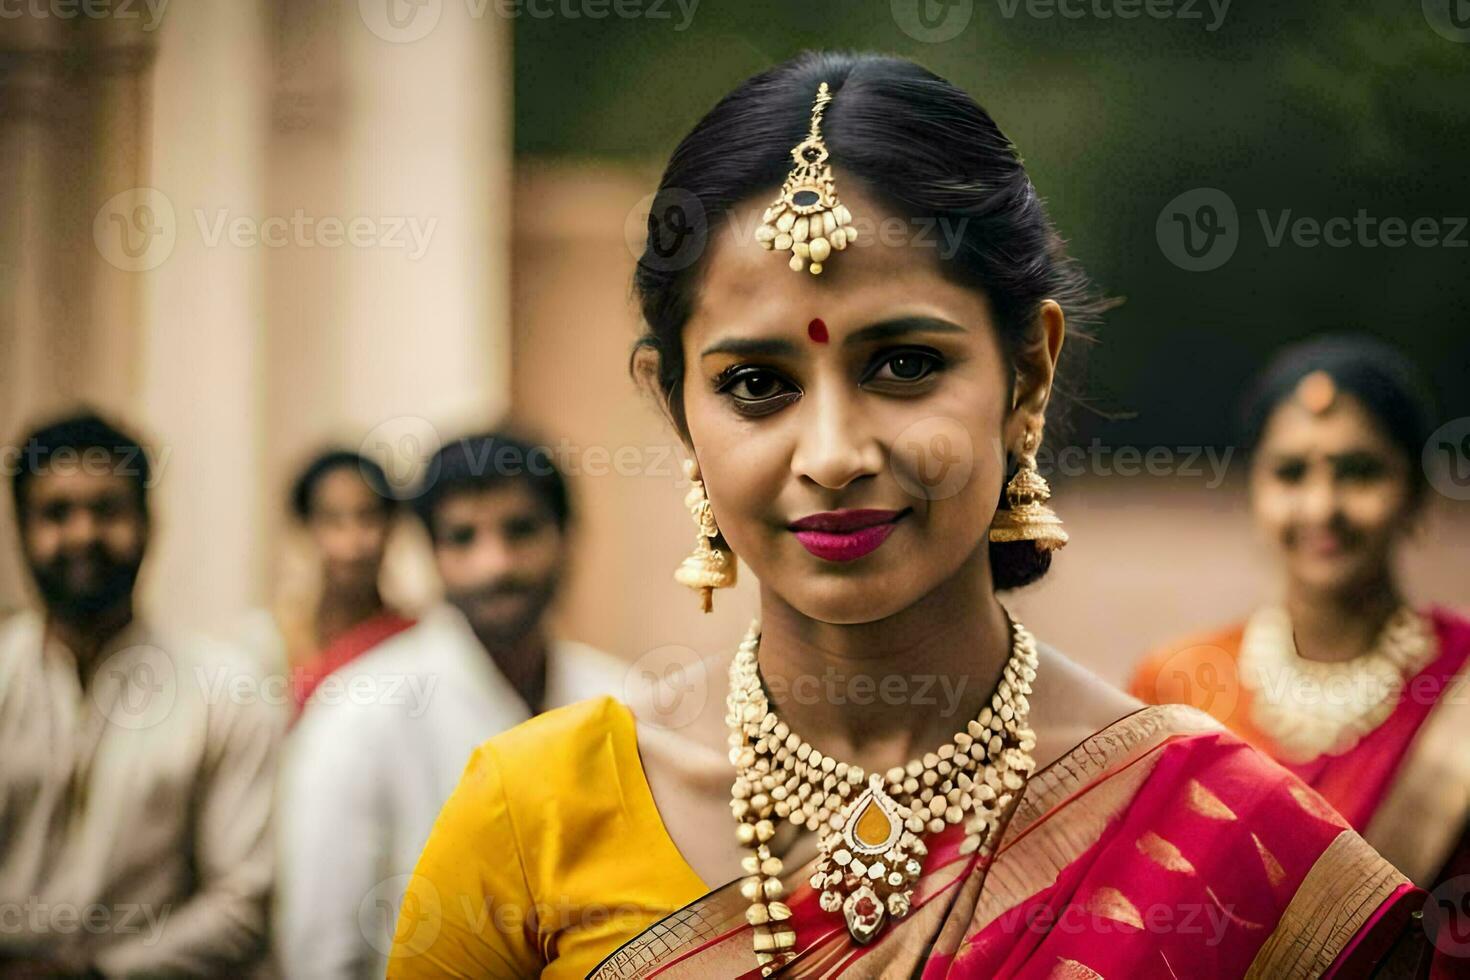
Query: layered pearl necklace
{"type": "Point", "coordinates": [871, 846]}
{"type": "Point", "coordinates": [1310, 708]}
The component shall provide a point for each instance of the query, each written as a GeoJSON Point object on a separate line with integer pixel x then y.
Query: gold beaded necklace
{"type": "Point", "coordinates": [1311, 708]}
{"type": "Point", "coordinates": [871, 848]}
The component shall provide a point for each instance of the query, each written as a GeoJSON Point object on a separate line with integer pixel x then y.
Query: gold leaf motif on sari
{"type": "Point", "coordinates": [1274, 871]}
{"type": "Point", "coordinates": [1109, 903]}
{"type": "Point", "coordinates": [1072, 970]}
{"type": "Point", "coordinates": [1308, 800]}
{"type": "Point", "coordinates": [1206, 803]}
{"type": "Point", "coordinates": [1163, 853]}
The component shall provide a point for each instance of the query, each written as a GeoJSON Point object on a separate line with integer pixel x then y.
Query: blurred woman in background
{"type": "Point", "coordinates": [1340, 677]}
{"type": "Point", "coordinates": [343, 501]}
{"type": "Point", "coordinates": [860, 371]}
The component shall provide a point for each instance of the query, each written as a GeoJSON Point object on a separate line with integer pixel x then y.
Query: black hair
{"type": "Point", "coordinates": [919, 144]}
{"type": "Point", "coordinates": [487, 461]}
{"type": "Point", "coordinates": [1381, 378]}
{"type": "Point", "coordinates": [83, 434]}
{"type": "Point", "coordinates": [303, 488]}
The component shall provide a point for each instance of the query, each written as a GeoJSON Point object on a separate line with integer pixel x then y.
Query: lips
{"type": "Point", "coordinates": [845, 535]}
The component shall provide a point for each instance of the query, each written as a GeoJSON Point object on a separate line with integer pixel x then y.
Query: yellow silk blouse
{"type": "Point", "coordinates": [549, 855]}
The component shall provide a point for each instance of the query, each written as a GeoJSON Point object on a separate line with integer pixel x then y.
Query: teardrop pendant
{"type": "Point", "coordinates": [873, 821]}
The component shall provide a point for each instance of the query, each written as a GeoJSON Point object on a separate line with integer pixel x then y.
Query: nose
{"type": "Point", "coordinates": [1318, 501]}
{"type": "Point", "coordinates": [835, 447]}
{"type": "Point", "coordinates": [492, 557]}
{"type": "Point", "coordinates": [80, 529]}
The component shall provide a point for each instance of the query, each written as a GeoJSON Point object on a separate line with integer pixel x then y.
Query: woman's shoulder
{"type": "Point", "coordinates": [1221, 638]}
{"type": "Point", "coordinates": [1070, 704]}
{"type": "Point", "coordinates": [569, 739]}
{"type": "Point", "coordinates": [1195, 658]}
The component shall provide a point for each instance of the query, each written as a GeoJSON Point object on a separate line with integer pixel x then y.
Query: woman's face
{"type": "Point", "coordinates": [349, 525]}
{"type": "Point", "coordinates": [853, 463]}
{"type": "Point", "coordinates": [1332, 492]}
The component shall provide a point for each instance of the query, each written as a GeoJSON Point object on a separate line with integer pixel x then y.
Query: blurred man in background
{"type": "Point", "coordinates": [137, 772]}
{"type": "Point", "coordinates": [383, 741]}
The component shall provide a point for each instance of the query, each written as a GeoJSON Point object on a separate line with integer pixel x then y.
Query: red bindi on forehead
{"type": "Point", "coordinates": [817, 330]}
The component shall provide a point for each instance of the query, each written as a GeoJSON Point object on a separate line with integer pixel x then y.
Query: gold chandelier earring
{"type": "Point", "coordinates": [710, 566]}
{"type": "Point", "coordinates": [1026, 517]}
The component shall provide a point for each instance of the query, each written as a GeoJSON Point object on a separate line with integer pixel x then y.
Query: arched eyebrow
{"type": "Point", "coordinates": [751, 347]}
{"type": "Point", "coordinates": [901, 327]}
{"type": "Point", "coordinates": [883, 330]}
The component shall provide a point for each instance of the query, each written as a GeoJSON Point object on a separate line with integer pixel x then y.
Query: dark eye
{"type": "Point", "coordinates": [906, 366]}
{"type": "Point", "coordinates": [756, 391]}
{"type": "Point", "coordinates": [1291, 471]}
{"type": "Point", "coordinates": [521, 528]}
{"type": "Point", "coordinates": [1360, 468]}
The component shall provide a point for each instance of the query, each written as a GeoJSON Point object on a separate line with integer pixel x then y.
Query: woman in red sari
{"type": "Point", "coordinates": [1341, 680]}
{"type": "Point", "coordinates": [346, 506]}
{"type": "Point", "coordinates": [900, 781]}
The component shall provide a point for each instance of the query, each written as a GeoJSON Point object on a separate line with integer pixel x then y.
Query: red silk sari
{"type": "Point", "coordinates": [1160, 847]}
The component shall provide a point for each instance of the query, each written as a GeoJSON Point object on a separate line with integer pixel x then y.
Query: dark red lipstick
{"type": "Point", "coordinates": [845, 535]}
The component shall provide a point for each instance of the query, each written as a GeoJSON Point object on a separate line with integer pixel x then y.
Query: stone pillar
{"type": "Point", "coordinates": [73, 119]}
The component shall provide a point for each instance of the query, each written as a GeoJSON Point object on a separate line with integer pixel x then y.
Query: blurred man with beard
{"type": "Point", "coordinates": [383, 741]}
{"type": "Point", "coordinates": [135, 795]}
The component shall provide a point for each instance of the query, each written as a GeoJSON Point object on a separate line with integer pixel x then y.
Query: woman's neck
{"type": "Point", "coordinates": [1333, 626]}
{"type": "Point", "coordinates": [879, 694]}
{"type": "Point", "coordinates": [340, 609]}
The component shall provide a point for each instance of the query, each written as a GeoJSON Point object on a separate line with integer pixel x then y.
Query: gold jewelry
{"type": "Point", "coordinates": [1310, 708]}
{"type": "Point", "coordinates": [871, 850]}
{"type": "Point", "coordinates": [807, 218]}
{"type": "Point", "coordinates": [1026, 516]}
{"type": "Point", "coordinates": [1316, 392]}
{"type": "Point", "coordinates": [709, 567]}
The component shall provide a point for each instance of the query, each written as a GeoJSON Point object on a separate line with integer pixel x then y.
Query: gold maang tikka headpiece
{"type": "Point", "coordinates": [806, 218]}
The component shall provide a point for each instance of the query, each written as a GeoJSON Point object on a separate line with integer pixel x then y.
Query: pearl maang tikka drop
{"type": "Point", "coordinates": [806, 218]}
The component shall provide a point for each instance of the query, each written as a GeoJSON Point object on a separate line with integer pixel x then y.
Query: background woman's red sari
{"type": "Point", "coordinates": [1405, 786]}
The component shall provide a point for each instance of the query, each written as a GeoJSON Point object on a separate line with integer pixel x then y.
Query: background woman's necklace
{"type": "Point", "coordinates": [1310, 708]}
{"type": "Point", "coordinates": [871, 824]}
